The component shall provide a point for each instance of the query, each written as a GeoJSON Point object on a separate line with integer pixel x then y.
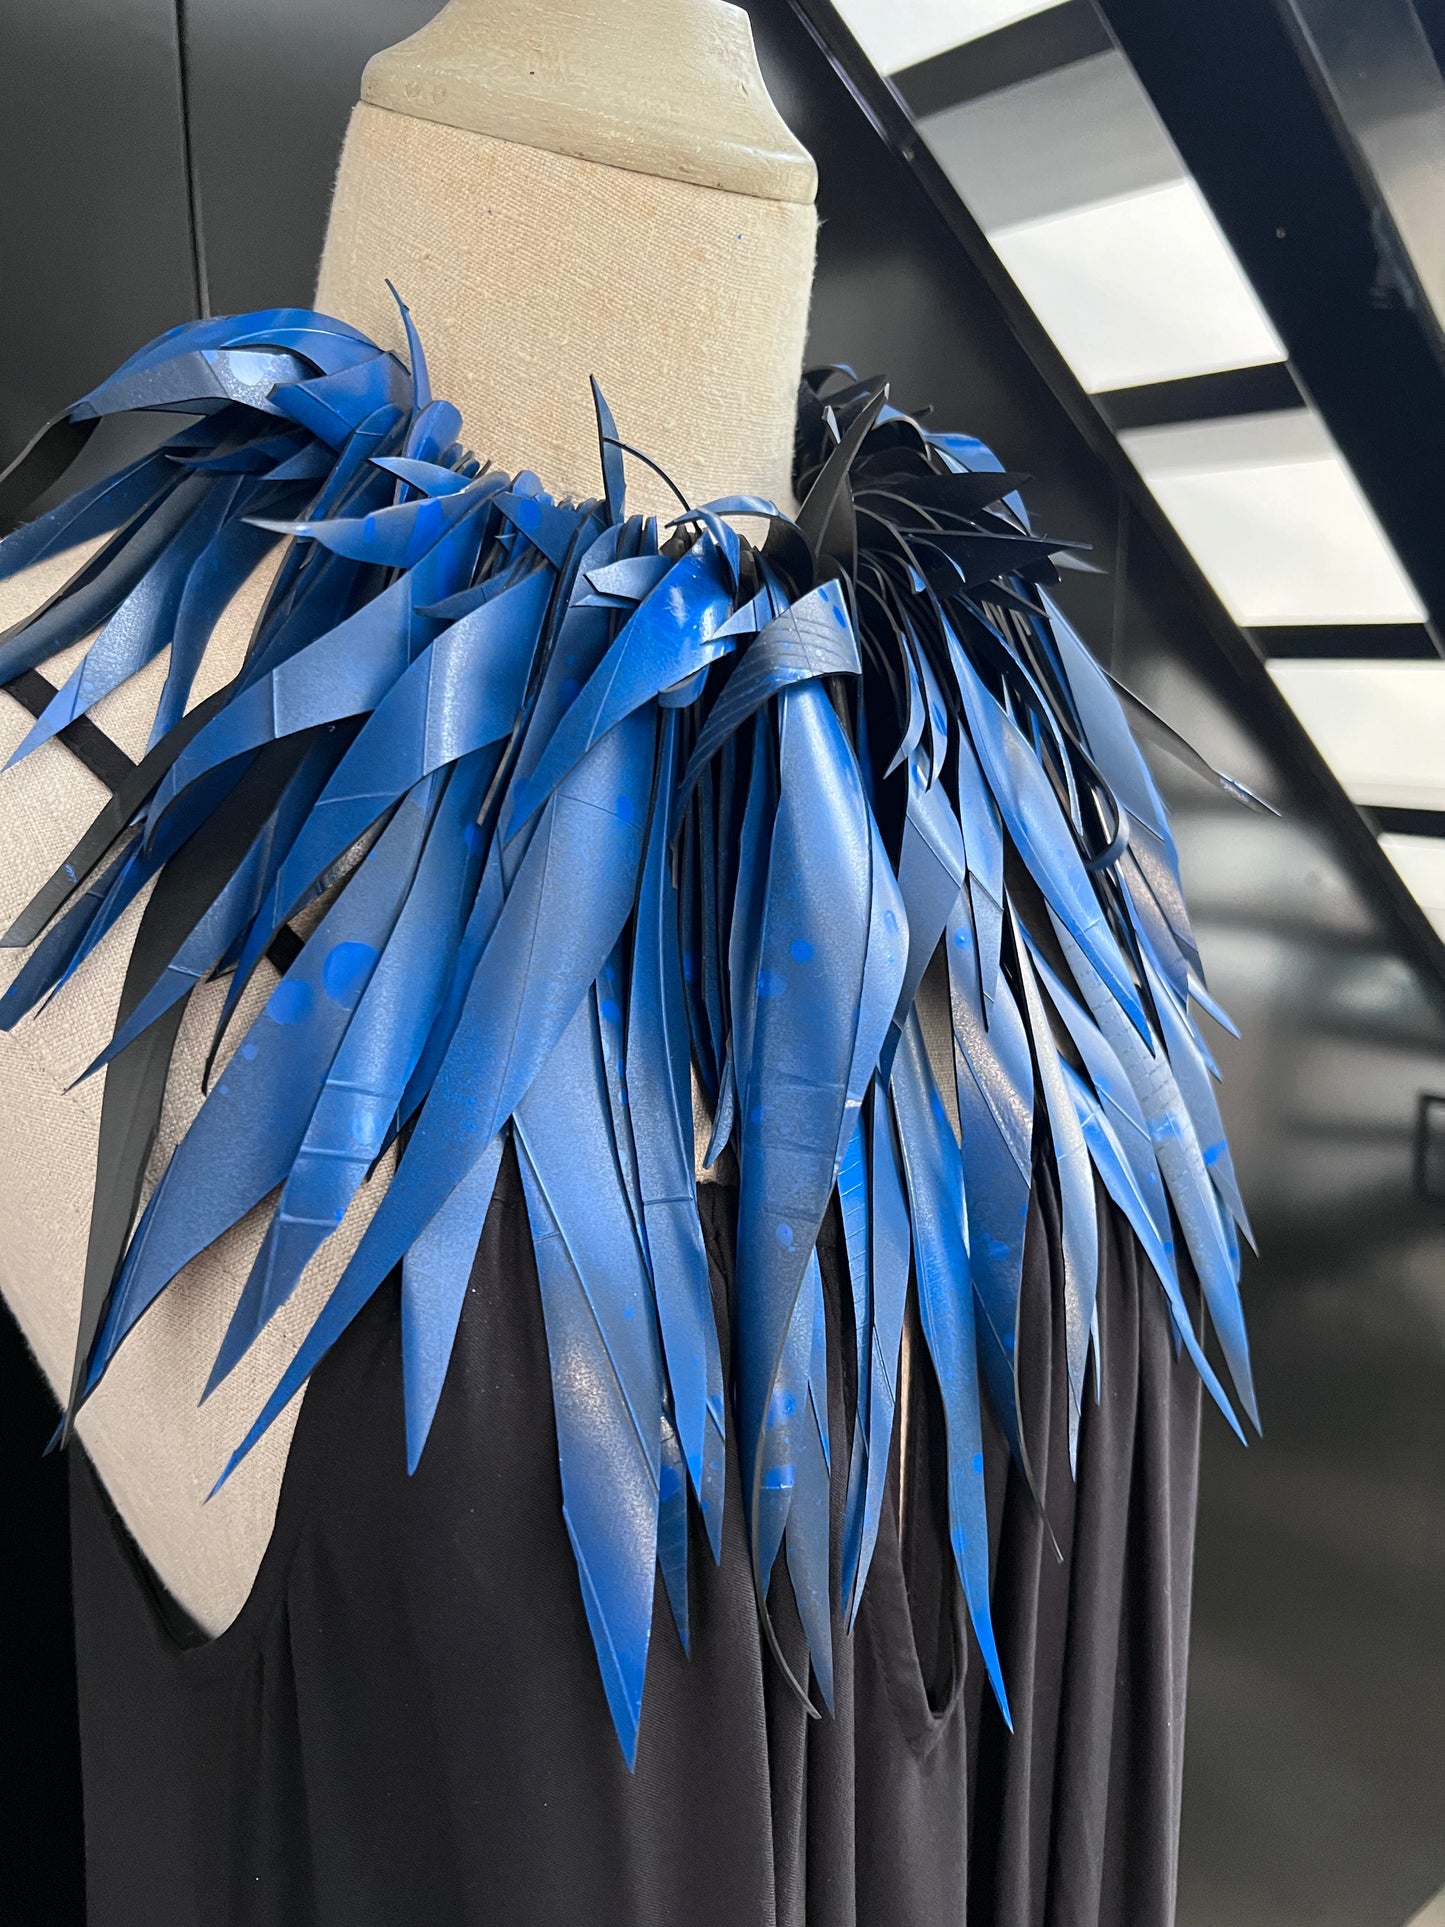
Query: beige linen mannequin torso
{"type": "Point", "coordinates": [557, 190]}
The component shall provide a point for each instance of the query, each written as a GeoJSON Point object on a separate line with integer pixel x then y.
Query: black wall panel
{"type": "Point", "coordinates": [94, 226]}
{"type": "Point", "coordinates": [271, 84]}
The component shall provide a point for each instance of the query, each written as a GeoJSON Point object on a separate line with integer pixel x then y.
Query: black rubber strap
{"type": "Point", "coordinates": [88, 744]}
{"type": "Point", "coordinates": [108, 762]}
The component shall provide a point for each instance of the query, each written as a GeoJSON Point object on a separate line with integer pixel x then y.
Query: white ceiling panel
{"type": "Point", "coordinates": [1085, 132]}
{"type": "Point", "coordinates": [1379, 725]}
{"type": "Point", "coordinates": [1421, 862]}
{"type": "Point", "coordinates": [1276, 520]}
{"type": "Point", "coordinates": [1140, 288]}
{"type": "Point", "coordinates": [899, 33]}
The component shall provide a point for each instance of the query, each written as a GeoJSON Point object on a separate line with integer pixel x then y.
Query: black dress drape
{"type": "Point", "coordinates": [405, 1724]}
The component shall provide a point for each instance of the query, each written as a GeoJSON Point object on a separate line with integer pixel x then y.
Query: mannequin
{"type": "Point", "coordinates": [543, 214]}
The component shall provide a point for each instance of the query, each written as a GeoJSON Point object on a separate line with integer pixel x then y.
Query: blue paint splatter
{"type": "Point", "coordinates": [289, 1002]}
{"type": "Point", "coordinates": [771, 983]}
{"type": "Point", "coordinates": [784, 1236]}
{"type": "Point", "coordinates": [800, 950]}
{"type": "Point", "coordinates": [345, 972]}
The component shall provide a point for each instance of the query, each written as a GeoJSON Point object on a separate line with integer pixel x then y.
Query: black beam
{"type": "Point", "coordinates": [1346, 641]}
{"type": "Point", "coordinates": [971, 280]}
{"type": "Point", "coordinates": [1264, 390]}
{"type": "Point", "coordinates": [1038, 44]}
{"type": "Point", "coordinates": [1239, 92]}
{"type": "Point", "coordinates": [1406, 822]}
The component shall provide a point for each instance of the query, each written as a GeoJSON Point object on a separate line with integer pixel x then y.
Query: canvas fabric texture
{"type": "Point", "coordinates": [529, 272]}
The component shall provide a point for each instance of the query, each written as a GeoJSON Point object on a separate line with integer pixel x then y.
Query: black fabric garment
{"type": "Point", "coordinates": [405, 1724]}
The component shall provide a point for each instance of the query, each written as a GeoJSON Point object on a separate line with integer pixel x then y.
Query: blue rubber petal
{"type": "Point", "coordinates": [232, 911]}
{"type": "Point", "coordinates": [660, 1105]}
{"type": "Point", "coordinates": [610, 994]}
{"type": "Point", "coordinates": [101, 509]}
{"type": "Point", "coordinates": [672, 1528]}
{"type": "Point", "coordinates": [983, 841]}
{"type": "Point", "coordinates": [631, 580]}
{"type": "Point", "coordinates": [853, 1209]}
{"type": "Point", "coordinates": [163, 373]}
{"type": "Point", "coordinates": [809, 1515]}
{"type": "Point", "coordinates": [1221, 1016]}
{"type": "Point", "coordinates": [1122, 1113]}
{"type": "Point", "coordinates": [811, 961]}
{"type": "Point", "coordinates": [813, 637]}
{"type": "Point", "coordinates": [143, 623]}
{"type": "Point", "coordinates": [311, 463]}
{"type": "Point", "coordinates": [710, 918]}
{"type": "Point", "coordinates": [614, 469]}
{"type": "Point", "coordinates": [577, 643]}
{"type": "Point", "coordinates": [434, 1278]}
{"type": "Point", "coordinates": [1189, 1064]}
{"type": "Point", "coordinates": [429, 478]}
{"type": "Point", "coordinates": [669, 636]}
{"type": "Point", "coordinates": [885, 964]}
{"type": "Point", "coordinates": [1041, 832]}
{"type": "Point", "coordinates": [994, 1081]}
{"type": "Point", "coordinates": [245, 1137]}
{"type": "Point", "coordinates": [1106, 730]}
{"type": "Point", "coordinates": [931, 871]}
{"type": "Point", "coordinates": [364, 1085]}
{"type": "Point", "coordinates": [784, 1441]}
{"type": "Point", "coordinates": [563, 914]}
{"type": "Point", "coordinates": [945, 1304]}
{"type": "Point", "coordinates": [197, 378]}
{"type": "Point", "coordinates": [345, 672]}
{"type": "Point", "coordinates": [102, 584]}
{"type": "Point", "coordinates": [602, 1346]}
{"type": "Point", "coordinates": [476, 934]}
{"type": "Point", "coordinates": [334, 406]}
{"type": "Point", "coordinates": [1077, 1203]}
{"type": "Point", "coordinates": [749, 900]}
{"type": "Point", "coordinates": [131, 877]}
{"type": "Point", "coordinates": [549, 526]}
{"type": "Point", "coordinates": [1113, 1167]}
{"type": "Point", "coordinates": [396, 537]}
{"type": "Point", "coordinates": [888, 1264]}
{"type": "Point", "coordinates": [913, 725]}
{"type": "Point", "coordinates": [55, 955]}
{"type": "Point", "coordinates": [1181, 1164]}
{"type": "Point", "coordinates": [463, 692]}
{"type": "Point", "coordinates": [330, 345]}
{"type": "Point", "coordinates": [937, 719]}
{"type": "Point", "coordinates": [218, 574]}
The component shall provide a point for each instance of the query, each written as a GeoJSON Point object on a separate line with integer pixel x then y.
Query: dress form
{"type": "Point", "coordinates": [547, 217]}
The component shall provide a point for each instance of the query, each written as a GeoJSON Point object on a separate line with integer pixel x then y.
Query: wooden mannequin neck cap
{"type": "Point", "coordinates": [669, 88]}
